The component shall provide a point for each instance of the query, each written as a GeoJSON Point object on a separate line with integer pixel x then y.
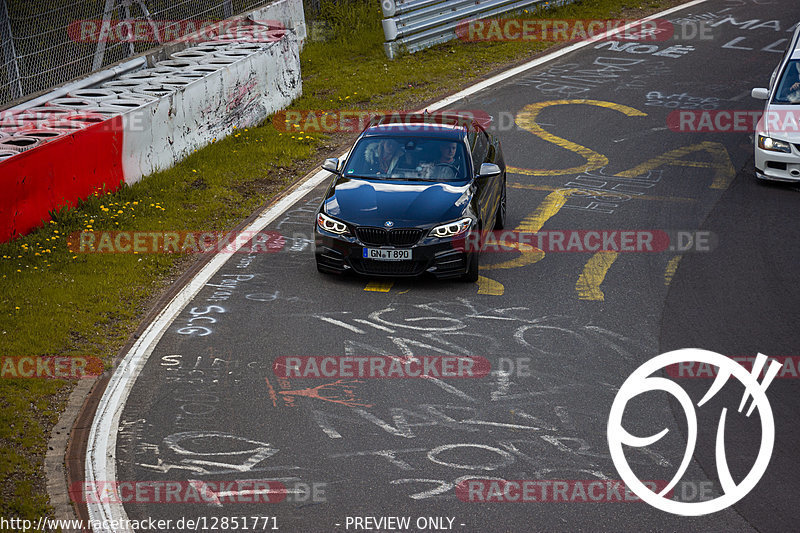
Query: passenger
{"type": "Point", "coordinates": [383, 156]}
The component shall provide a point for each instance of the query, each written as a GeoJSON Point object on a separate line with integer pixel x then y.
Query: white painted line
{"type": "Point", "coordinates": [101, 447]}
{"type": "Point", "coordinates": [376, 326]}
{"type": "Point", "coordinates": [339, 323]}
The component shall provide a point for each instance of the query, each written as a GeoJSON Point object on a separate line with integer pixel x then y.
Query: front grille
{"type": "Point", "coordinates": [404, 237]}
{"type": "Point", "coordinates": [372, 236]}
{"type": "Point", "coordinates": [388, 268]}
{"type": "Point", "coordinates": [396, 237]}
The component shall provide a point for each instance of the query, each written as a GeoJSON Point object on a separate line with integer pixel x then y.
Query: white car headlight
{"type": "Point", "coordinates": [773, 145]}
{"type": "Point", "coordinates": [332, 225]}
{"type": "Point", "coordinates": [452, 229]}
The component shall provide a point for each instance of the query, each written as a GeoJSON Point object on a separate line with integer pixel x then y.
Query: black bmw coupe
{"type": "Point", "coordinates": [413, 196]}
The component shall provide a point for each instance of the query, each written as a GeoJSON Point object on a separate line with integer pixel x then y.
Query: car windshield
{"type": "Point", "coordinates": [408, 158]}
{"type": "Point", "coordinates": [789, 88]}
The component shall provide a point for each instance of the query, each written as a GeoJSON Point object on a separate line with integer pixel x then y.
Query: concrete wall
{"type": "Point", "coordinates": [242, 94]}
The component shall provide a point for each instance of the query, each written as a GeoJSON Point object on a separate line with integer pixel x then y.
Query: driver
{"type": "Point", "coordinates": [447, 153]}
{"type": "Point", "coordinates": [793, 73]}
{"type": "Point", "coordinates": [445, 167]}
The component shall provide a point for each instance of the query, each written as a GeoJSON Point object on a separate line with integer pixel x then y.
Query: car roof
{"type": "Point", "coordinates": [443, 125]}
{"type": "Point", "coordinates": [439, 131]}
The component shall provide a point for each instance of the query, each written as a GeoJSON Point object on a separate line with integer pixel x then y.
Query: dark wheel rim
{"type": "Point", "coordinates": [503, 205]}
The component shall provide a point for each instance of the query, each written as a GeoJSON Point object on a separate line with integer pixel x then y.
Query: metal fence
{"type": "Point", "coordinates": [412, 25]}
{"type": "Point", "coordinates": [45, 43]}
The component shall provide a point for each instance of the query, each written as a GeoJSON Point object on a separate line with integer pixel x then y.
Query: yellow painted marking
{"type": "Point", "coordinates": [490, 286]}
{"type": "Point", "coordinates": [720, 163]}
{"type": "Point", "coordinates": [526, 119]}
{"type": "Point", "coordinates": [379, 286]}
{"type": "Point", "coordinates": [535, 187]}
{"type": "Point", "coordinates": [549, 207]}
{"type": "Point", "coordinates": [672, 267]}
{"type": "Point", "coordinates": [531, 224]}
{"type": "Point", "coordinates": [594, 272]}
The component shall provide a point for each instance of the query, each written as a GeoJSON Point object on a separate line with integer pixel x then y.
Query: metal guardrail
{"type": "Point", "coordinates": [412, 25]}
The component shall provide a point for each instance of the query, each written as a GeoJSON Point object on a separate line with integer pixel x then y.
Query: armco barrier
{"type": "Point", "coordinates": [88, 138]}
{"type": "Point", "coordinates": [412, 25]}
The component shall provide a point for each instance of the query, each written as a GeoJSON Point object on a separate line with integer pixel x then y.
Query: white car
{"type": "Point", "coordinates": [777, 136]}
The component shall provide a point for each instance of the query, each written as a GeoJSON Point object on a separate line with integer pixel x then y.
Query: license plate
{"type": "Point", "coordinates": [383, 254]}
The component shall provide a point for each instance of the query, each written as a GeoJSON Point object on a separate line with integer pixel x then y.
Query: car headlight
{"type": "Point", "coordinates": [332, 225]}
{"type": "Point", "coordinates": [773, 145]}
{"type": "Point", "coordinates": [452, 229]}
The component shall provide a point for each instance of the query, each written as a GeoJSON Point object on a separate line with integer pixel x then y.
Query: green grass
{"type": "Point", "coordinates": [55, 302]}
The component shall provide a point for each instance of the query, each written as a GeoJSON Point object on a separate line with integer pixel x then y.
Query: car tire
{"type": "Point", "coordinates": [500, 222]}
{"type": "Point", "coordinates": [473, 264]}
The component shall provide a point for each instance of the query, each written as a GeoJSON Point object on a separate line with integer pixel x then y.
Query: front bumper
{"type": "Point", "coordinates": [777, 166]}
{"type": "Point", "coordinates": [444, 258]}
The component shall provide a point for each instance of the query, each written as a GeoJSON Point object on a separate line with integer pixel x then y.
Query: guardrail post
{"type": "Point", "coordinates": [100, 51]}
{"type": "Point", "coordinates": [389, 8]}
{"type": "Point", "coordinates": [389, 29]}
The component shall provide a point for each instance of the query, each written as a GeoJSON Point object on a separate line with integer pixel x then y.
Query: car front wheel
{"type": "Point", "coordinates": [471, 275]}
{"type": "Point", "coordinates": [500, 222]}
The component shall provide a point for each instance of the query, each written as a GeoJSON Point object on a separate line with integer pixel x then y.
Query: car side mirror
{"type": "Point", "coordinates": [331, 165]}
{"type": "Point", "coordinates": [489, 170]}
{"type": "Point", "coordinates": [760, 93]}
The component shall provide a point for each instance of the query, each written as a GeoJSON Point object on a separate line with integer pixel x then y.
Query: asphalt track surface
{"type": "Point", "coordinates": [582, 321]}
